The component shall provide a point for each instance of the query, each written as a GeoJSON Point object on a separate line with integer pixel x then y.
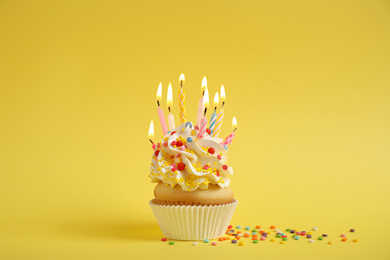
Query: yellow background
{"type": "Point", "coordinates": [308, 82]}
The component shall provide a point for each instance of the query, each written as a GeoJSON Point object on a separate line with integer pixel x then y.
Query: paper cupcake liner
{"type": "Point", "coordinates": [193, 222]}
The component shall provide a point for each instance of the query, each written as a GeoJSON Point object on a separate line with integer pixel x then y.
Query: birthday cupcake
{"type": "Point", "coordinates": [193, 200]}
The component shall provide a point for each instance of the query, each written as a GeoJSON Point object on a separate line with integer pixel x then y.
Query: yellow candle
{"type": "Point", "coordinates": [182, 100]}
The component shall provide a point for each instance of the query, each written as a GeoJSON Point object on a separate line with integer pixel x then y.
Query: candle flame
{"type": "Point", "coordinates": [223, 95]}
{"type": "Point", "coordinates": [159, 92]}
{"type": "Point", "coordinates": [182, 78]}
{"type": "Point", "coordinates": [234, 123]}
{"type": "Point", "coordinates": [151, 130]}
{"type": "Point", "coordinates": [206, 98]}
{"type": "Point", "coordinates": [169, 96]}
{"type": "Point", "coordinates": [204, 84]}
{"type": "Point", "coordinates": [216, 100]}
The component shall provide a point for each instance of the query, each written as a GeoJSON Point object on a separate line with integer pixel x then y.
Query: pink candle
{"type": "Point", "coordinates": [228, 139]}
{"type": "Point", "coordinates": [163, 123]}
{"type": "Point", "coordinates": [203, 127]}
{"type": "Point", "coordinates": [200, 111]}
{"type": "Point", "coordinates": [203, 122]}
{"type": "Point", "coordinates": [160, 112]}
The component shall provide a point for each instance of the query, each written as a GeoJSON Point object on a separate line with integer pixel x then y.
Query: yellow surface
{"type": "Point", "coordinates": [308, 81]}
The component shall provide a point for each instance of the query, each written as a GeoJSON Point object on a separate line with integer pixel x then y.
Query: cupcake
{"type": "Point", "coordinates": [193, 200]}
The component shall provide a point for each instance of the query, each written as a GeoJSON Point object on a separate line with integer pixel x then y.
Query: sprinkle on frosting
{"type": "Point", "coordinates": [184, 159]}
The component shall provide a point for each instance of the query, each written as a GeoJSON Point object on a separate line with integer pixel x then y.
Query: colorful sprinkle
{"type": "Point", "coordinates": [285, 239]}
{"type": "Point", "coordinates": [241, 243]}
{"type": "Point", "coordinates": [258, 227]}
{"type": "Point", "coordinates": [352, 230]}
{"type": "Point", "coordinates": [189, 139]}
{"type": "Point", "coordinates": [234, 241]}
{"type": "Point", "coordinates": [255, 241]}
{"type": "Point", "coordinates": [273, 240]}
{"type": "Point", "coordinates": [219, 156]}
{"type": "Point", "coordinates": [189, 124]}
{"type": "Point", "coordinates": [230, 226]}
{"type": "Point", "coordinates": [262, 238]}
{"type": "Point", "coordinates": [272, 227]}
{"type": "Point", "coordinates": [156, 152]}
{"type": "Point", "coordinates": [171, 242]}
{"type": "Point", "coordinates": [344, 239]}
{"type": "Point", "coordinates": [308, 236]}
{"type": "Point", "coordinates": [343, 235]}
{"type": "Point", "coordinates": [296, 237]}
{"type": "Point", "coordinates": [164, 239]}
{"type": "Point", "coordinates": [247, 228]}
{"type": "Point", "coordinates": [324, 235]}
{"type": "Point", "coordinates": [181, 166]}
{"type": "Point", "coordinates": [214, 243]}
{"type": "Point", "coordinates": [194, 243]}
{"type": "Point", "coordinates": [211, 150]}
{"type": "Point", "coordinates": [282, 242]}
{"type": "Point", "coordinates": [330, 243]}
{"type": "Point", "coordinates": [206, 240]}
{"type": "Point", "coordinates": [311, 241]}
{"type": "Point", "coordinates": [355, 240]}
{"type": "Point", "coordinates": [315, 228]}
{"type": "Point", "coordinates": [320, 238]}
{"type": "Point", "coordinates": [225, 167]}
{"type": "Point", "coordinates": [238, 226]}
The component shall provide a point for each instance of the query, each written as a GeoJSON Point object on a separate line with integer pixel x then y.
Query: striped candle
{"type": "Point", "coordinates": [214, 115]}
{"type": "Point", "coordinates": [212, 121]}
{"type": "Point", "coordinates": [203, 122]}
{"type": "Point", "coordinates": [228, 139]}
{"type": "Point", "coordinates": [182, 100]}
{"type": "Point", "coordinates": [218, 123]}
{"type": "Point", "coordinates": [203, 127]}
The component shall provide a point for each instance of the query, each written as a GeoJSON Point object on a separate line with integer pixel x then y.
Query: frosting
{"type": "Point", "coordinates": [189, 161]}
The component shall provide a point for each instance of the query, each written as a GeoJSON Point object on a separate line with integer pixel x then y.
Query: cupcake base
{"type": "Point", "coordinates": [193, 222]}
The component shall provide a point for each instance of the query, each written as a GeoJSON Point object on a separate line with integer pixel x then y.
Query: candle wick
{"type": "Point", "coordinates": [223, 103]}
{"type": "Point", "coordinates": [203, 93]}
{"type": "Point", "coordinates": [158, 103]}
{"type": "Point", "coordinates": [205, 110]}
{"type": "Point", "coordinates": [234, 129]}
{"type": "Point", "coordinates": [181, 83]}
{"type": "Point", "coordinates": [151, 141]}
{"type": "Point", "coordinates": [215, 109]}
{"type": "Point", "coordinates": [169, 109]}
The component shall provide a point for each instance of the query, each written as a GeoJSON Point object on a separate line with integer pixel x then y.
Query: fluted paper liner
{"type": "Point", "coordinates": [193, 222]}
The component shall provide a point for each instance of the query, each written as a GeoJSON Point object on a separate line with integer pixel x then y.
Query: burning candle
{"type": "Point", "coordinates": [203, 122]}
{"type": "Point", "coordinates": [230, 137]}
{"type": "Point", "coordinates": [182, 100]}
{"type": "Point", "coordinates": [201, 104]}
{"type": "Point", "coordinates": [151, 134]}
{"type": "Point", "coordinates": [218, 122]}
{"type": "Point", "coordinates": [160, 112]}
{"type": "Point", "coordinates": [214, 115]}
{"type": "Point", "coordinates": [171, 120]}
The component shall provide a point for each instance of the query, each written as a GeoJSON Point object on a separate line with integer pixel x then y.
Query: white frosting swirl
{"type": "Point", "coordinates": [200, 166]}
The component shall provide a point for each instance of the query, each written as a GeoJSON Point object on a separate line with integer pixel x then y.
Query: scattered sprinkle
{"type": "Point", "coordinates": [344, 239]}
{"type": "Point", "coordinates": [315, 228]}
{"type": "Point", "coordinates": [206, 240]}
{"type": "Point", "coordinates": [330, 243]}
{"type": "Point", "coordinates": [247, 228]}
{"type": "Point", "coordinates": [343, 235]}
{"type": "Point", "coordinates": [255, 241]}
{"type": "Point", "coordinates": [311, 241]}
{"type": "Point", "coordinates": [194, 243]}
{"type": "Point", "coordinates": [355, 240]}
{"type": "Point", "coordinates": [352, 230]}
{"type": "Point", "coordinates": [171, 242]}
{"type": "Point", "coordinates": [238, 227]}
{"type": "Point", "coordinates": [214, 243]}
{"type": "Point", "coordinates": [234, 241]}
{"type": "Point", "coordinates": [324, 235]}
{"type": "Point", "coordinates": [164, 239]}
{"type": "Point", "coordinates": [320, 238]}
{"type": "Point", "coordinates": [241, 243]}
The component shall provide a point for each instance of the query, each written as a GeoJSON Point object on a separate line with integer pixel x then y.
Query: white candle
{"type": "Point", "coordinates": [201, 104]}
